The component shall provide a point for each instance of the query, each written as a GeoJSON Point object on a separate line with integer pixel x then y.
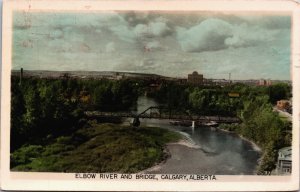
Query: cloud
{"type": "Point", "coordinates": [82, 47]}
{"type": "Point", "coordinates": [61, 47]}
{"type": "Point", "coordinates": [206, 36]}
{"type": "Point", "coordinates": [56, 34]}
{"type": "Point", "coordinates": [138, 64]}
{"type": "Point", "coordinates": [124, 33]}
{"type": "Point", "coordinates": [217, 34]}
{"type": "Point", "coordinates": [58, 46]}
{"type": "Point", "coordinates": [147, 64]}
{"type": "Point", "coordinates": [175, 44]}
{"type": "Point", "coordinates": [160, 47]}
{"type": "Point", "coordinates": [159, 28]}
{"type": "Point", "coordinates": [153, 45]}
{"type": "Point", "coordinates": [244, 36]}
{"type": "Point", "coordinates": [110, 47]}
{"type": "Point", "coordinates": [142, 30]}
{"type": "Point", "coordinates": [134, 19]}
{"type": "Point", "coordinates": [269, 22]}
{"type": "Point", "coordinates": [142, 34]}
{"type": "Point", "coordinates": [153, 29]}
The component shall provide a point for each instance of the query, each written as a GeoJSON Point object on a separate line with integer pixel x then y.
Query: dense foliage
{"type": "Point", "coordinates": [43, 109]}
{"type": "Point", "coordinates": [97, 148]}
{"type": "Point", "coordinates": [215, 100]}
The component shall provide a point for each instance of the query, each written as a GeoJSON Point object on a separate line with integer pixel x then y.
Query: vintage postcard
{"type": "Point", "coordinates": [150, 95]}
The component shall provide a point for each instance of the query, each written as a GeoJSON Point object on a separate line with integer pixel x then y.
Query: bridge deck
{"type": "Point", "coordinates": [218, 119]}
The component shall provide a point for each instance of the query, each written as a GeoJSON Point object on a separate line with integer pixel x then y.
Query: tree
{"type": "Point", "coordinates": [268, 160]}
{"type": "Point", "coordinates": [18, 132]}
{"type": "Point", "coordinates": [199, 100]}
{"type": "Point", "coordinates": [102, 97]}
{"type": "Point", "coordinates": [32, 108]}
{"type": "Point", "coordinates": [279, 91]}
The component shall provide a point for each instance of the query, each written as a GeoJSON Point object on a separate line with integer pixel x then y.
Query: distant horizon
{"type": "Point", "coordinates": [144, 73]}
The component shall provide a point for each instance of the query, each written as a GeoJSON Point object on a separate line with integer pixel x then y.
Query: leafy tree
{"type": "Point", "coordinates": [279, 91]}
{"type": "Point", "coordinates": [17, 110]}
{"type": "Point", "coordinates": [32, 113]}
{"type": "Point", "coordinates": [199, 99]}
{"type": "Point", "coordinates": [268, 160]}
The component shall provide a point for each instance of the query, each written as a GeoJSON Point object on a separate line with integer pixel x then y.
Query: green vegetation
{"type": "Point", "coordinates": [214, 100]}
{"type": "Point", "coordinates": [265, 127]}
{"type": "Point", "coordinates": [49, 131]}
{"type": "Point", "coordinates": [43, 109]}
{"type": "Point", "coordinates": [97, 148]}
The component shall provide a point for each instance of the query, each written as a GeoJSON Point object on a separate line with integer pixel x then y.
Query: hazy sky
{"type": "Point", "coordinates": [165, 43]}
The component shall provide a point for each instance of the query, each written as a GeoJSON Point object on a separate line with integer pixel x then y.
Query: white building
{"type": "Point", "coordinates": [284, 164]}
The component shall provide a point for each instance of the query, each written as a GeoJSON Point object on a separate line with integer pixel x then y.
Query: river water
{"type": "Point", "coordinates": [215, 151]}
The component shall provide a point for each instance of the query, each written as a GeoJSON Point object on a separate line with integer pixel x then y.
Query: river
{"type": "Point", "coordinates": [214, 151]}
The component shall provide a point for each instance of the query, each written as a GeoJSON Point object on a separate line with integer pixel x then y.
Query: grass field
{"type": "Point", "coordinates": [97, 148]}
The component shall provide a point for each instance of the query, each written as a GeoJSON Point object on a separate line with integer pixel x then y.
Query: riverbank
{"type": "Point", "coordinates": [173, 149]}
{"type": "Point", "coordinates": [184, 141]}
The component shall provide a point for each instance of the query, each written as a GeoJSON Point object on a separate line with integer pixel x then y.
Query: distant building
{"type": "Point", "coordinates": [284, 164]}
{"type": "Point", "coordinates": [264, 82]}
{"type": "Point", "coordinates": [181, 81]}
{"type": "Point", "coordinates": [261, 82]}
{"type": "Point", "coordinates": [195, 78]}
{"type": "Point", "coordinates": [208, 82]}
{"type": "Point", "coordinates": [246, 82]}
{"type": "Point", "coordinates": [221, 82]}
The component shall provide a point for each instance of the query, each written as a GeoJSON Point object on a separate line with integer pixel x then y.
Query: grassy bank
{"type": "Point", "coordinates": [97, 148]}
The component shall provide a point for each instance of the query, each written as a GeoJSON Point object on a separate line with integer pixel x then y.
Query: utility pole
{"type": "Point", "coordinates": [21, 76]}
{"type": "Point", "coordinates": [229, 77]}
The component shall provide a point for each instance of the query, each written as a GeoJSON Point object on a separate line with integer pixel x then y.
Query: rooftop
{"type": "Point", "coordinates": [285, 153]}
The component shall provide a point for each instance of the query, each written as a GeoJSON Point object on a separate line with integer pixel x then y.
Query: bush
{"type": "Point", "coordinates": [26, 154]}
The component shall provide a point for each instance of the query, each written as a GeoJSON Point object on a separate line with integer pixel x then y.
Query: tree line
{"type": "Point", "coordinates": [215, 100]}
{"type": "Point", "coordinates": [42, 109]}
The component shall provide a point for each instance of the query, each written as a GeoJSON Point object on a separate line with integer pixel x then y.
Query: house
{"type": "Point", "coordinates": [284, 163]}
{"type": "Point", "coordinates": [283, 105]}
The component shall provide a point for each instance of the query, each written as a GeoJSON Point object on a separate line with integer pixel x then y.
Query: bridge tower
{"type": "Point", "coordinates": [135, 121]}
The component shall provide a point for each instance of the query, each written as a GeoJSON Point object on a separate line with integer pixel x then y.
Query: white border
{"type": "Point", "coordinates": [57, 181]}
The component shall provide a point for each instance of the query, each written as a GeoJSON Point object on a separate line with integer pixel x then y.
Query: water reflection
{"type": "Point", "coordinates": [218, 152]}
